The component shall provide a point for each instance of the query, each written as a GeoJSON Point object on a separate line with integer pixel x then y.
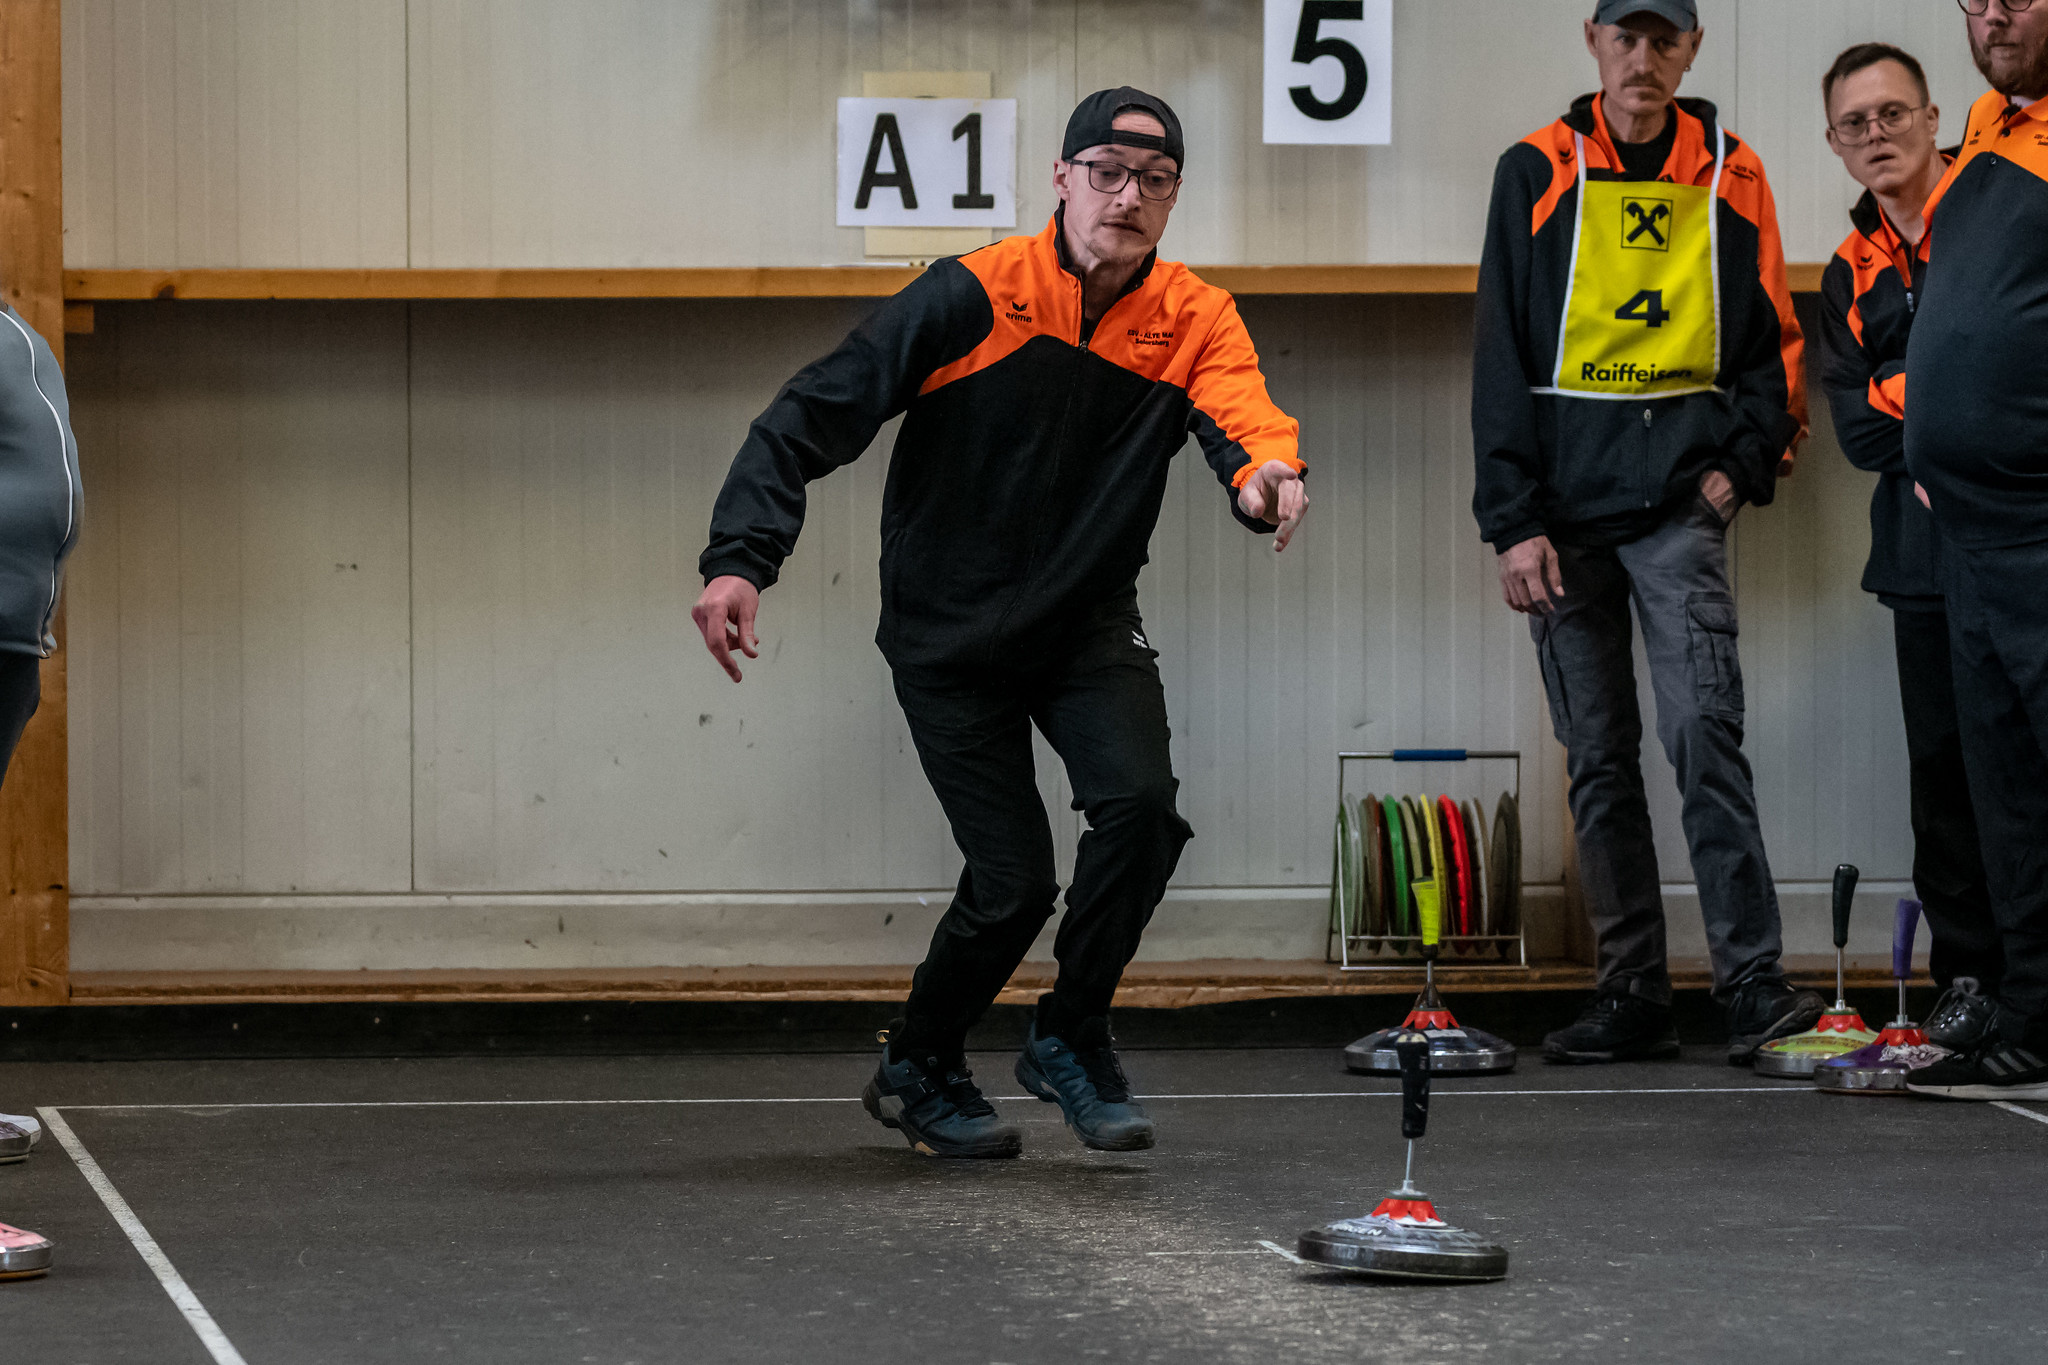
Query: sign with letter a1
{"type": "Point", "coordinates": [1329, 65]}
{"type": "Point", "coordinates": [927, 163]}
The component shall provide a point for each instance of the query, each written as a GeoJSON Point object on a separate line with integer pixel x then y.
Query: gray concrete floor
{"type": "Point", "coordinates": [1675, 1212]}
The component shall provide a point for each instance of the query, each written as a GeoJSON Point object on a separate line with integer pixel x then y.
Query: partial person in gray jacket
{"type": "Point", "coordinates": [39, 506]}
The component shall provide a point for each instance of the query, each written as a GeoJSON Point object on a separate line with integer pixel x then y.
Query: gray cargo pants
{"type": "Point", "coordinates": [1677, 577]}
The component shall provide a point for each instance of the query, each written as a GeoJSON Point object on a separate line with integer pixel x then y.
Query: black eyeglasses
{"type": "Point", "coordinates": [1854, 129]}
{"type": "Point", "coordinates": [1108, 177]}
{"type": "Point", "coordinates": [1979, 6]}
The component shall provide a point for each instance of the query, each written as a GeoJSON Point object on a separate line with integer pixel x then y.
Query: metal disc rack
{"type": "Point", "coordinates": [1385, 843]}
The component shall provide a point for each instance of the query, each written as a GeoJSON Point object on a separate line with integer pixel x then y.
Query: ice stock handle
{"type": "Point", "coordinates": [1905, 921]}
{"type": "Point", "coordinates": [1845, 896]}
{"type": "Point", "coordinates": [1430, 904]}
{"type": "Point", "coordinates": [1413, 1050]}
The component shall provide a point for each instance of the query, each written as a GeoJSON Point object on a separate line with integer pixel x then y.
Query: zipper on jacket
{"type": "Point", "coordinates": [1059, 443]}
{"type": "Point", "coordinates": [1643, 468]}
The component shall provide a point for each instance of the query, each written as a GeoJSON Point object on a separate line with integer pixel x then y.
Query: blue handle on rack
{"type": "Point", "coordinates": [1429, 755]}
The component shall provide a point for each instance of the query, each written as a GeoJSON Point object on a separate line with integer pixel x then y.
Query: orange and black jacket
{"type": "Point", "coordinates": [1868, 294]}
{"type": "Point", "coordinates": [1597, 470]}
{"type": "Point", "coordinates": [1032, 462]}
{"type": "Point", "coordinates": [1976, 403]}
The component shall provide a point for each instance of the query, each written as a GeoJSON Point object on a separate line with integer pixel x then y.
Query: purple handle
{"type": "Point", "coordinates": [1904, 922]}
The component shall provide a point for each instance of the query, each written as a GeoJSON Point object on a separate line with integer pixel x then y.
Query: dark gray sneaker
{"type": "Point", "coordinates": [935, 1104]}
{"type": "Point", "coordinates": [1616, 1025]}
{"type": "Point", "coordinates": [1768, 1007]}
{"type": "Point", "coordinates": [1962, 1017]}
{"type": "Point", "coordinates": [1087, 1082]}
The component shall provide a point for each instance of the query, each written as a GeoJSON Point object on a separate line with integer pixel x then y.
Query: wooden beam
{"type": "Point", "coordinates": [1342, 279]}
{"type": "Point", "coordinates": [771, 282]}
{"type": "Point", "coordinates": [34, 798]}
{"type": "Point", "coordinates": [1146, 985]}
{"type": "Point", "coordinates": [821, 282]}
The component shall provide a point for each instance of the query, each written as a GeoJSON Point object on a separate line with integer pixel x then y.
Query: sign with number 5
{"type": "Point", "coordinates": [1328, 69]}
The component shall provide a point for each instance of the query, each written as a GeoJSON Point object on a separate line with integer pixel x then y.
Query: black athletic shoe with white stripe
{"type": "Point", "coordinates": [1995, 1071]}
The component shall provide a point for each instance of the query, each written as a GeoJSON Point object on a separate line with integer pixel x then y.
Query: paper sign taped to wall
{"type": "Point", "coordinates": [1329, 68]}
{"type": "Point", "coordinates": [927, 163]}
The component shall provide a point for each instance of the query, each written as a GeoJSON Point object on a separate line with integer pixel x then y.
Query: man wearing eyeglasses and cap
{"type": "Point", "coordinates": [1046, 383]}
{"type": "Point", "coordinates": [1976, 440]}
{"type": "Point", "coordinates": [1636, 378]}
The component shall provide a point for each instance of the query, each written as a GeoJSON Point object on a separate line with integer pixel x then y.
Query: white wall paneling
{"type": "Point", "coordinates": [238, 611]}
{"type": "Point", "coordinates": [504, 696]}
{"type": "Point", "coordinates": [521, 133]}
{"type": "Point", "coordinates": [573, 735]}
{"type": "Point", "coordinates": [501, 695]}
{"type": "Point", "coordinates": [234, 132]}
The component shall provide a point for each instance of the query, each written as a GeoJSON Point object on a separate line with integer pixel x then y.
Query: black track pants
{"type": "Point", "coordinates": [1101, 707]}
{"type": "Point", "coordinates": [1998, 635]}
{"type": "Point", "coordinates": [21, 690]}
{"type": "Point", "coordinates": [1948, 865]}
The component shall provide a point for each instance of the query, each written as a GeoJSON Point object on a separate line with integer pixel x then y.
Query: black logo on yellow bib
{"type": "Point", "coordinates": [1628, 372]}
{"type": "Point", "coordinates": [1646, 224]}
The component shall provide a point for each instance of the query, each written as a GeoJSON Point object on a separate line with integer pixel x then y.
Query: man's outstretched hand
{"type": "Point", "coordinates": [1276, 496]}
{"type": "Point", "coordinates": [1531, 579]}
{"type": "Point", "coordinates": [725, 613]}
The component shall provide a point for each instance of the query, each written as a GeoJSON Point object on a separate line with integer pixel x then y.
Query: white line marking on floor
{"type": "Point", "coordinates": [1201, 1253]}
{"type": "Point", "coordinates": [2011, 1108]}
{"type": "Point", "coordinates": [1282, 1252]}
{"type": "Point", "coordinates": [1437, 1093]}
{"type": "Point", "coordinates": [210, 1336]}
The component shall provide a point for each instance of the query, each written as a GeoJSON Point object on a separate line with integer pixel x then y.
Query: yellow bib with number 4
{"type": "Point", "coordinates": [1643, 317]}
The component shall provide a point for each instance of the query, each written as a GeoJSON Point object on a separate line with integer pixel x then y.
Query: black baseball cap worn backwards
{"type": "Point", "coordinates": [1093, 119]}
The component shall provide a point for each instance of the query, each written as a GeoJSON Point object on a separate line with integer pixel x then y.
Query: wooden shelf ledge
{"type": "Point", "coordinates": [778, 282]}
{"type": "Point", "coordinates": [1154, 985]}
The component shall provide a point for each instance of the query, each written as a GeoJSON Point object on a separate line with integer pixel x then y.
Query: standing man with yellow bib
{"type": "Point", "coordinates": [1636, 379]}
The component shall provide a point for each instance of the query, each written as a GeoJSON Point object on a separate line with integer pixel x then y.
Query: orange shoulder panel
{"type": "Point", "coordinates": [1555, 142]}
{"type": "Point", "coordinates": [1978, 135]}
{"type": "Point", "coordinates": [1748, 192]}
{"type": "Point", "coordinates": [1161, 342]}
{"type": "Point", "coordinates": [1866, 261]}
{"type": "Point", "coordinates": [2024, 140]}
{"type": "Point", "coordinates": [1029, 295]}
{"type": "Point", "coordinates": [1889, 396]}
